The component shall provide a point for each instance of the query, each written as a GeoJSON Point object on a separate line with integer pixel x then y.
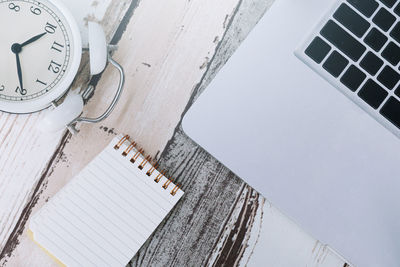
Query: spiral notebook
{"type": "Point", "coordinates": [108, 211]}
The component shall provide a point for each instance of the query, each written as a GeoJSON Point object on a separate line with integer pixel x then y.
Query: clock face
{"type": "Point", "coordinates": [38, 54]}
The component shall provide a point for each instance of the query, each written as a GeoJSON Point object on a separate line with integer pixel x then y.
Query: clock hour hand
{"type": "Point", "coordinates": [16, 48]}
{"type": "Point", "coordinates": [33, 39]}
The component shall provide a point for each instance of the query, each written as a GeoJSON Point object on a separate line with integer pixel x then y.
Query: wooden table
{"type": "Point", "coordinates": [170, 50]}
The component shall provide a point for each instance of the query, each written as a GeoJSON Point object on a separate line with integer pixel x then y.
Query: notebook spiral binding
{"type": "Point", "coordinates": [145, 161]}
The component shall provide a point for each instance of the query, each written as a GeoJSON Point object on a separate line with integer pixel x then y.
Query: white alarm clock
{"type": "Point", "coordinates": [40, 54]}
{"type": "Point", "coordinates": [40, 48]}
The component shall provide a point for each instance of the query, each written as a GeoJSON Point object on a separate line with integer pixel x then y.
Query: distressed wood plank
{"type": "Point", "coordinates": [187, 238]}
{"type": "Point", "coordinates": [27, 154]}
{"type": "Point", "coordinates": [174, 40]}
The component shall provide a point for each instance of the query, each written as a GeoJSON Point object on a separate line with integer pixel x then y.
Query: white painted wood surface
{"type": "Point", "coordinates": [170, 51]}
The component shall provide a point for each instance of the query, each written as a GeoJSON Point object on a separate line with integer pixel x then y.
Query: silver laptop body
{"type": "Point", "coordinates": [292, 131]}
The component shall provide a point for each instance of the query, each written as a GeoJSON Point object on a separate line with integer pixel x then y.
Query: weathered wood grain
{"type": "Point", "coordinates": [26, 155]}
{"type": "Point", "coordinates": [188, 237]}
{"type": "Point", "coordinates": [178, 43]}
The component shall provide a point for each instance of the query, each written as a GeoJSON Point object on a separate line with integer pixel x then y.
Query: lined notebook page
{"type": "Point", "coordinates": [106, 213]}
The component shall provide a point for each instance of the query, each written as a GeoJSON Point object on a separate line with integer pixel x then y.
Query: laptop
{"type": "Point", "coordinates": [307, 111]}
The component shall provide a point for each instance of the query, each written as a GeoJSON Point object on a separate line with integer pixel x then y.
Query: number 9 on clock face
{"type": "Point", "coordinates": [40, 52]}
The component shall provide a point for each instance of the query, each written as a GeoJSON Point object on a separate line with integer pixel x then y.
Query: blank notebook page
{"type": "Point", "coordinates": [106, 213]}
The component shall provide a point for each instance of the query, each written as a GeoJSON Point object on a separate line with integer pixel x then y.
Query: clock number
{"type": "Point", "coordinates": [2, 88]}
{"type": "Point", "coordinates": [21, 91]}
{"type": "Point", "coordinates": [36, 10]}
{"type": "Point", "coordinates": [14, 7]}
{"type": "Point", "coordinates": [54, 67]}
{"type": "Point", "coordinates": [58, 47]}
{"type": "Point", "coordinates": [50, 28]}
{"type": "Point", "coordinates": [39, 81]}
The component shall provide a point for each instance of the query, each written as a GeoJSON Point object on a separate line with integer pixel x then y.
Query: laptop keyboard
{"type": "Point", "coordinates": [358, 47]}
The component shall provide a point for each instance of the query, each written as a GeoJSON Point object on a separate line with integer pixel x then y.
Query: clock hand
{"type": "Point", "coordinates": [33, 39]}
{"type": "Point", "coordinates": [19, 71]}
{"type": "Point", "coordinates": [16, 49]}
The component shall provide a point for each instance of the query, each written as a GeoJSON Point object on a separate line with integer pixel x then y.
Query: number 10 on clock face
{"type": "Point", "coordinates": [39, 51]}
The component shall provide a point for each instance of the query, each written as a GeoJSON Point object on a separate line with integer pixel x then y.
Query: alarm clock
{"type": "Point", "coordinates": [41, 50]}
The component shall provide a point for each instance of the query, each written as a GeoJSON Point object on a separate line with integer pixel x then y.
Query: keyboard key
{"type": "Point", "coordinates": [343, 40]}
{"type": "Point", "coordinates": [389, 77]}
{"type": "Point", "coordinates": [351, 20]}
{"type": "Point", "coordinates": [391, 111]}
{"type": "Point", "coordinates": [397, 9]}
{"type": "Point", "coordinates": [353, 78]}
{"type": "Point", "coordinates": [395, 33]}
{"type": "Point", "coordinates": [318, 50]}
{"type": "Point", "coordinates": [335, 64]}
{"type": "Point", "coordinates": [367, 7]}
{"type": "Point", "coordinates": [388, 3]}
{"type": "Point", "coordinates": [371, 63]}
{"type": "Point", "coordinates": [384, 19]}
{"type": "Point", "coordinates": [392, 53]}
{"type": "Point", "coordinates": [373, 94]}
{"type": "Point", "coordinates": [397, 92]}
{"type": "Point", "coordinates": [375, 39]}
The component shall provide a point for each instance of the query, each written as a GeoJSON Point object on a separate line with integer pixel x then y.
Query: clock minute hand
{"type": "Point", "coordinates": [33, 39]}
{"type": "Point", "coordinates": [19, 71]}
